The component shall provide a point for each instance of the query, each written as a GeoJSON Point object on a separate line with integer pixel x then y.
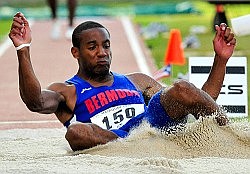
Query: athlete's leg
{"type": "Point", "coordinates": [157, 116]}
{"type": "Point", "coordinates": [83, 136]}
{"type": "Point", "coordinates": [183, 98]}
{"type": "Point", "coordinates": [55, 32]}
{"type": "Point", "coordinates": [53, 7]}
{"type": "Point", "coordinates": [71, 8]}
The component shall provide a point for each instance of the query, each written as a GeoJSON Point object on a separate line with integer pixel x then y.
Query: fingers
{"type": "Point", "coordinates": [220, 30]}
{"type": "Point", "coordinates": [225, 33]}
{"type": "Point", "coordinates": [15, 31]}
{"type": "Point", "coordinates": [23, 18]}
{"type": "Point", "coordinates": [20, 31]}
{"type": "Point", "coordinates": [228, 35]}
{"type": "Point", "coordinates": [20, 23]}
{"type": "Point", "coordinates": [18, 14]}
{"type": "Point", "coordinates": [232, 42]}
{"type": "Point", "coordinates": [17, 24]}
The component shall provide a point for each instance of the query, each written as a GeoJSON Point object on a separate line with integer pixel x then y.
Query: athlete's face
{"type": "Point", "coordinates": [95, 53]}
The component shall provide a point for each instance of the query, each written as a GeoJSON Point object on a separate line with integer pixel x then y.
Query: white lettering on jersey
{"type": "Point", "coordinates": [85, 89]}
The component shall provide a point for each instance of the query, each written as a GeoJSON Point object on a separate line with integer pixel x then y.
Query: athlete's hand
{"type": "Point", "coordinates": [20, 32]}
{"type": "Point", "coordinates": [224, 42]}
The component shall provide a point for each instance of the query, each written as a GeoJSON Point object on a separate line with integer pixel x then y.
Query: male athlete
{"type": "Point", "coordinates": [98, 105]}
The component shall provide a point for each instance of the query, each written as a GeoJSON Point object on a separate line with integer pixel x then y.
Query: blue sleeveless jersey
{"type": "Point", "coordinates": [110, 107]}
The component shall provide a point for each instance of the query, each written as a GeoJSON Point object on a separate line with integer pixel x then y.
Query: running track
{"type": "Point", "coordinates": [52, 62]}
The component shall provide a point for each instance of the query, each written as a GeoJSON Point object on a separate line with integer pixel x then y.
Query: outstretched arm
{"type": "Point", "coordinates": [30, 89]}
{"type": "Point", "coordinates": [224, 43]}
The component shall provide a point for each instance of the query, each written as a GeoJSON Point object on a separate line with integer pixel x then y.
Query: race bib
{"type": "Point", "coordinates": [116, 117]}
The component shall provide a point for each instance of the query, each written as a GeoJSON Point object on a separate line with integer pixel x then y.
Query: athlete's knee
{"type": "Point", "coordinates": [83, 136]}
{"type": "Point", "coordinates": [71, 133]}
{"type": "Point", "coordinates": [79, 136]}
{"type": "Point", "coordinates": [72, 136]}
{"type": "Point", "coordinates": [182, 90]}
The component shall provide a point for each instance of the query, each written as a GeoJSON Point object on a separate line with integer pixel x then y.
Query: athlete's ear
{"type": "Point", "coordinates": [75, 52]}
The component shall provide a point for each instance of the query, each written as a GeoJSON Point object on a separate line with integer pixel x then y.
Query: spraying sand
{"type": "Point", "coordinates": [199, 147]}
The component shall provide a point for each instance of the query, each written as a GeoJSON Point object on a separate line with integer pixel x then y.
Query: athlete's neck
{"type": "Point", "coordinates": [101, 80]}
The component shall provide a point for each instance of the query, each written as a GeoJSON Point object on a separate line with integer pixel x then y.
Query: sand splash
{"type": "Point", "coordinates": [199, 147]}
{"type": "Point", "coordinates": [203, 138]}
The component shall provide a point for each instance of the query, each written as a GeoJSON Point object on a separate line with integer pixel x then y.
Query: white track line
{"type": "Point", "coordinates": [135, 46]}
{"type": "Point", "coordinates": [29, 122]}
{"type": "Point", "coordinates": [4, 46]}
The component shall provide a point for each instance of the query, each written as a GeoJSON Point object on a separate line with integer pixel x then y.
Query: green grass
{"type": "Point", "coordinates": [183, 22]}
{"type": "Point", "coordinates": [4, 28]}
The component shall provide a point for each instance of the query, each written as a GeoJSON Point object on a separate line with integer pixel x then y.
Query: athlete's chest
{"type": "Point", "coordinates": [108, 106]}
{"type": "Point", "coordinates": [95, 100]}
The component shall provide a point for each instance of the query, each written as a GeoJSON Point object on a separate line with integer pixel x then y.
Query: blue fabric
{"type": "Point", "coordinates": [93, 100]}
{"type": "Point", "coordinates": [157, 116]}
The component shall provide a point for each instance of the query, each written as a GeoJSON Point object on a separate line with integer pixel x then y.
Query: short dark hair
{"type": "Point", "coordinates": [82, 27]}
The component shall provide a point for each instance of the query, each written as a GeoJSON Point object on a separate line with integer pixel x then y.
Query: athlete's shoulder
{"type": "Point", "coordinates": [74, 80]}
{"type": "Point", "coordinates": [60, 87]}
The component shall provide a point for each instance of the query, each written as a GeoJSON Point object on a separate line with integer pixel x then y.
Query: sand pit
{"type": "Point", "coordinates": [201, 147]}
